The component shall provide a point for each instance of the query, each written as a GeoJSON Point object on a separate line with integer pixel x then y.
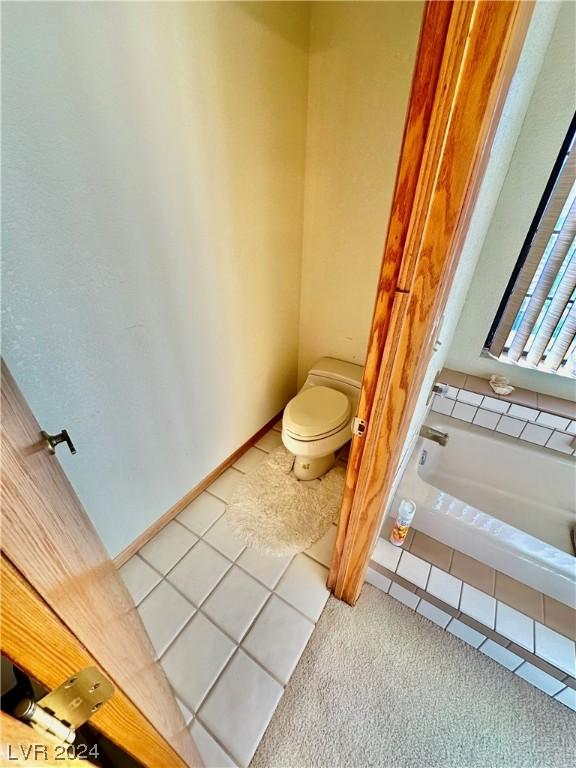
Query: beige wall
{"type": "Point", "coordinates": [361, 62]}
{"type": "Point", "coordinates": [549, 113]}
{"type": "Point", "coordinates": [153, 177]}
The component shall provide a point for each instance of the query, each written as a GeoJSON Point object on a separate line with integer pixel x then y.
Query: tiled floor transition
{"type": "Point", "coordinates": [228, 624]}
{"type": "Point", "coordinates": [535, 652]}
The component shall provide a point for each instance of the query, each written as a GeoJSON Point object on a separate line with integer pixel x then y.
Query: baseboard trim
{"type": "Point", "coordinates": [157, 526]}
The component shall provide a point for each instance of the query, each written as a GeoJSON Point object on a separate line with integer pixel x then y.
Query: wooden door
{"type": "Point", "coordinates": [64, 605]}
{"type": "Point", "coordinates": [467, 56]}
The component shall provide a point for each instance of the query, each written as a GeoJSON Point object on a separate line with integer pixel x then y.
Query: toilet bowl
{"type": "Point", "coordinates": [317, 422]}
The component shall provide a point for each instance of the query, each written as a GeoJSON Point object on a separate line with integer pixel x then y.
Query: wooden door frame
{"type": "Point", "coordinates": [467, 55]}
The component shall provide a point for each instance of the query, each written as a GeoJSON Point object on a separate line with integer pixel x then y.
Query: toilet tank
{"type": "Point", "coordinates": [339, 375]}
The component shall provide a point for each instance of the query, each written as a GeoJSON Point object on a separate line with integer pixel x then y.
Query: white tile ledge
{"type": "Point", "coordinates": [533, 425]}
{"type": "Point", "coordinates": [560, 651]}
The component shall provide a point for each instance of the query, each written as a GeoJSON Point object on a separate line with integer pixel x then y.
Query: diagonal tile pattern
{"type": "Point", "coordinates": [235, 603]}
{"type": "Point", "coordinates": [241, 705]}
{"type": "Point", "coordinates": [199, 572]}
{"type": "Point", "coordinates": [164, 613]}
{"type": "Point", "coordinates": [202, 513]}
{"type": "Point", "coordinates": [139, 577]}
{"type": "Point", "coordinates": [228, 623]}
{"type": "Point", "coordinates": [168, 546]}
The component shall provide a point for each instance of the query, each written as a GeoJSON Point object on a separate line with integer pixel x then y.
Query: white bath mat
{"type": "Point", "coordinates": [271, 510]}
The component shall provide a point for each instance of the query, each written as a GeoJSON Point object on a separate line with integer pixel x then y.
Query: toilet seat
{"type": "Point", "coordinates": [316, 412]}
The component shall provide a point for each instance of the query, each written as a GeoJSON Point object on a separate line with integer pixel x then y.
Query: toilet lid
{"type": "Point", "coordinates": [315, 411]}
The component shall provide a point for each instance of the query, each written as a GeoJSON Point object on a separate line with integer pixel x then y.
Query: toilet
{"type": "Point", "coordinates": [317, 422]}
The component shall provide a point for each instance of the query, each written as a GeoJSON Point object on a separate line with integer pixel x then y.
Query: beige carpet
{"type": "Point", "coordinates": [379, 685]}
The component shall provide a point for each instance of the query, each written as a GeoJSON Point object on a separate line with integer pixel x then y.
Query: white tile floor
{"type": "Point", "coordinates": [228, 624]}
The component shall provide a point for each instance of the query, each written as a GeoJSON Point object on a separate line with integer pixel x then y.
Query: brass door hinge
{"type": "Point", "coordinates": [65, 709]}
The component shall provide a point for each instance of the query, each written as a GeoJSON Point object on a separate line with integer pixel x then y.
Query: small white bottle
{"type": "Point", "coordinates": [404, 518]}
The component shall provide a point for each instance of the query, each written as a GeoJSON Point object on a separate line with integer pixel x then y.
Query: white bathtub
{"type": "Point", "coordinates": [505, 502]}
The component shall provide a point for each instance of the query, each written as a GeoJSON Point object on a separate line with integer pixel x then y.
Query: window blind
{"type": "Point", "coordinates": [537, 326]}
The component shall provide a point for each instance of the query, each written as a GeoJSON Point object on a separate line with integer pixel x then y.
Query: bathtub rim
{"type": "Point", "coordinates": [509, 550]}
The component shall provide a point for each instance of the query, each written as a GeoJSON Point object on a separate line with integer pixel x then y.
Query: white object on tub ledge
{"type": "Point", "coordinates": [505, 502]}
{"type": "Point", "coordinates": [500, 384]}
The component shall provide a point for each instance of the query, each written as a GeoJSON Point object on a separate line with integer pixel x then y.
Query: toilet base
{"type": "Point", "coordinates": [307, 468]}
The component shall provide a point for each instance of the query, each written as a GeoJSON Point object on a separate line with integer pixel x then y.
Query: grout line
{"type": "Point", "coordinates": [295, 608]}
{"type": "Point", "coordinates": [463, 617]}
{"type": "Point", "coordinates": [175, 520]}
{"type": "Point", "coordinates": [182, 595]}
{"type": "Point", "coordinates": [523, 430]}
{"type": "Point", "coordinates": [239, 647]}
{"type": "Point", "coordinates": [225, 501]}
{"type": "Point", "coordinates": [216, 740]}
{"type": "Point", "coordinates": [314, 621]}
{"type": "Point", "coordinates": [259, 580]}
{"type": "Point", "coordinates": [265, 450]}
{"type": "Point", "coordinates": [216, 680]}
{"type": "Point", "coordinates": [171, 643]}
{"type": "Point", "coordinates": [211, 493]}
{"type": "Point", "coordinates": [315, 559]}
{"type": "Point", "coordinates": [163, 575]}
{"type": "Point", "coordinates": [428, 576]}
{"type": "Point", "coordinates": [197, 608]}
{"type": "Point", "coordinates": [239, 565]}
{"type": "Point", "coordinates": [500, 415]}
{"type": "Point", "coordinates": [212, 546]}
{"type": "Point", "coordinates": [255, 447]}
{"type": "Point", "coordinates": [239, 643]}
{"type": "Point", "coordinates": [201, 535]}
{"type": "Point", "coordinates": [498, 422]}
{"type": "Point", "coordinates": [560, 691]}
{"type": "Point", "coordinates": [139, 602]}
{"type": "Point", "coordinates": [519, 665]}
{"type": "Point", "coordinates": [213, 587]}
{"type": "Point", "coordinates": [459, 606]}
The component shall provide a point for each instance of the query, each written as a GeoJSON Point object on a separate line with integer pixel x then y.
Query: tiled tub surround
{"type": "Point", "coordinates": [523, 644]}
{"type": "Point", "coordinates": [505, 502]}
{"type": "Point", "coordinates": [227, 623]}
{"type": "Point", "coordinates": [523, 414]}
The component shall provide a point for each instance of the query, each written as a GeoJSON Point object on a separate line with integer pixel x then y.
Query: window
{"type": "Point", "coordinates": [536, 322]}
